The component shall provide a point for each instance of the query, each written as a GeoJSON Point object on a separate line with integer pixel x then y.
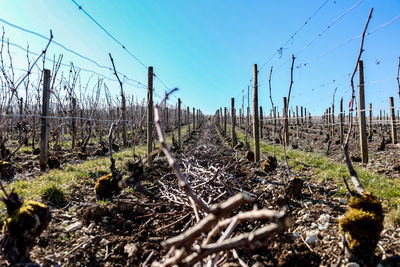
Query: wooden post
{"type": "Point", "coordinates": [341, 121]}
{"type": "Point", "coordinates": [333, 120]}
{"type": "Point", "coordinates": [149, 113]}
{"type": "Point", "coordinates": [44, 122]}
{"type": "Point", "coordinates": [123, 113]}
{"type": "Point", "coordinates": [73, 121]}
{"type": "Point", "coordinates": [179, 122]}
{"type": "Point", "coordinates": [225, 121]}
{"type": "Point", "coordinates": [370, 120]}
{"type": "Point", "coordinates": [330, 119]}
{"type": "Point", "coordinates": [305, 116]}
{"type": "Point", "coordinates": [392, 114]}
{"type": "Point", "coordinates": [194, 119]}
{"type": "Point", "coordinates": [297, 121]}
{"type": "Point", "coordinates": [302, 115]}
{"type": "Point", "coordinates": [255, 116]}
{"type": "Point", "coordinates": [233, 114]}
{"type": "Point", "coordinates": [248, 106]}
{"type": "Point", "coordinates": [188, 120]}
{"type": "Point", "coordinates": [21, 111]}
{"type": "Point", "coordinates": [361, 103]}
{"type": "Point", "coordinates": [261, 122]}
{"type": "Point", "coordinates": [285, 122]}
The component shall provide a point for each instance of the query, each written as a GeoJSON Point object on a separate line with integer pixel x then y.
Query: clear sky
{"type": "Point", "coordinates": [207, 48]}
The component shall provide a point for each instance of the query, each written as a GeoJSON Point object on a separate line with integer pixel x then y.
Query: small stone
{"type": "Point", "coordinates": [343, 201]}
{"type": "Point", "coordinates": [79, 233]}
{"type": "Point", "coordinates": [323, 227]}
{"type": "Point", "coordinates": [311, 239]}
{"type": "Point", "coordinates": [324, 218]}
{"type": "Point", "coordinates": [296, 235]}
{"type": "Point", "coordinates": [314, 225]}
{"type": "Point", "coordinates": [92, 225]}
{"type": "Point", "coordinates": [130, 249]}
{"type": "Point", "coordinates": [105, 219]}
{"type": "Point", "coordinates": [73, 227]}
{"type": "Point", "coordinates": [104, 242]}
{"type": "Point", "coordinates": [65, 223]}
{"type": "Point", "coordinates": [352, 264]}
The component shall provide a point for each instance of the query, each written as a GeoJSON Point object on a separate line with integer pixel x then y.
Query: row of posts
{"type": "Point", "coordinates": [327, 118]}
{"type": "Point", "coordinates": [44, 120]}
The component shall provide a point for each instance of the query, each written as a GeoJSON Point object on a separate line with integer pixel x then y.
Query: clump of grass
{"type": "Point", "coordinates": [53, 194]}
{"type": "Point", "coordinates": [323, 168]}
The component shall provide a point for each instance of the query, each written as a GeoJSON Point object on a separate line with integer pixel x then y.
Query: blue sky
{"type": "Point", "coordinates": [207, 48]}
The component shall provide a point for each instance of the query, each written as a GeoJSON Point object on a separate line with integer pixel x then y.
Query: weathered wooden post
{"type": "Point", "coordinates": [330, 119]}
{"type": "Point", "coordinates": [225, 121]}
{"type": "Point", "coordinates": [194, 119]}
{"type": "Point", "coordinates": [285, 122]}
{"type": "Point", "coordinates": [73, 121]}
{"type": "Point", "coordinates": [188, 119]}
{"type": "Point", "coordinates": [370, 120]}
{"type": "Point", "coordinates": [341, 121]}
{"type": "Point", "coordinates": [149, 113]}
{"type": "Point", "coordinates": [261, 122]}
{"type": "Point", "coordinates": [179, 122]}
{"type": "Point", "coordinates": [297, 121]}
{"type": "Point", "coordinates": [392, 113]}
{"type": "Point", "coordinates": [248, 106]}
{"type": "Point", "coordinates": [274, 119]}
{"type": "Point", "coordinates": [255, 116]}
{"type": "Point", "coordinates": [333, 120]}
{"type": "Point", "coordinates": [233, 114]}
{"type": "Point", "coordinates": [20, 120]}
{"type": "Point", "coordinates": [361, 103]}
{"type": "Point", "coordinates": [302, 115]}
{"type": "Point", "coordinates": [305, 116]}
{"type": "Point", "coordinates": [44, 122]}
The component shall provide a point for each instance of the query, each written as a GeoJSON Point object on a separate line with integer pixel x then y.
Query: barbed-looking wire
{"type": "Point", "coordinates": [65, 48]}
{"type": "Point", "coordinates": [109, 34]}
{"type": "Point", "coordinates": [137, 85]}
{"type": "Point", "coordinates": [279, 51]}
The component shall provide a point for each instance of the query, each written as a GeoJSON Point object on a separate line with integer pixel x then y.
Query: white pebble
{"type": "Point", "coordinates": [323, 227]}
{"type": "Point", "coordinates": [324, 218]}
{"type": "Point", "coordinates": [311, 239]}
{"type": "Point", "coordinates": [296, 235]}
{"type": "Point", "coordinates": [314, 225]}
{"type": "Point", "coordinates": [73, 227]}
{"type": "Point", "coordinates": [343, 201]}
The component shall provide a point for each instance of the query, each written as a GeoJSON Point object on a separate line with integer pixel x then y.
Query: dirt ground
{"type": "Point", "coordinates": [128, 230]}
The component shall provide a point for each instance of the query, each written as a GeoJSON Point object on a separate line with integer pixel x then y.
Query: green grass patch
{"type": "Point", "coordinates": [52, 185]}
{"type": "Point", "coordinates": [321, 167]}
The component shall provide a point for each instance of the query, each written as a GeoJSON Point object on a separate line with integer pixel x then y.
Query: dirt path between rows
{"type": "Point", "coordinates": [128, 230]}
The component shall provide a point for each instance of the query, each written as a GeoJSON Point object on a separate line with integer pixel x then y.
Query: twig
{"type": "Point", "coordinates": [306, 243]}
{"type": "Point", "coordinates": [183, 183]}
{"type": "Point", "coordinates": [353, 174]}
{"type": "Point", "coordinates": [286, 115]}
{"type": "Point", "coordinates": [148, 258]}
{"type": "Point", "coordinates": [219, 211]}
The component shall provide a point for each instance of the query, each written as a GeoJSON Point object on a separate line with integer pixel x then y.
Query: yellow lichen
{"type": "Point", "coordinates": [269, 164]}
{"type": "Point", "coordinates": [31, 216]}
{"type": "Point", "coordinates": [105, 186]}
{"type": "Point", "coordinates": [363, 224]}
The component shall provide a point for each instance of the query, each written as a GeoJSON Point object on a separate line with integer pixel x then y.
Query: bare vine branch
{"type": "Point", "coordinates": [353, 174]}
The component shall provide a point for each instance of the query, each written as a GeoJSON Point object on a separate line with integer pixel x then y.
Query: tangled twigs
{"type": "Point", "coordinates": [217, 212]}
{"type": "Point", "coordinates": [183, 183]}
{"type": "Point", "coordinates": [186, 240]}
